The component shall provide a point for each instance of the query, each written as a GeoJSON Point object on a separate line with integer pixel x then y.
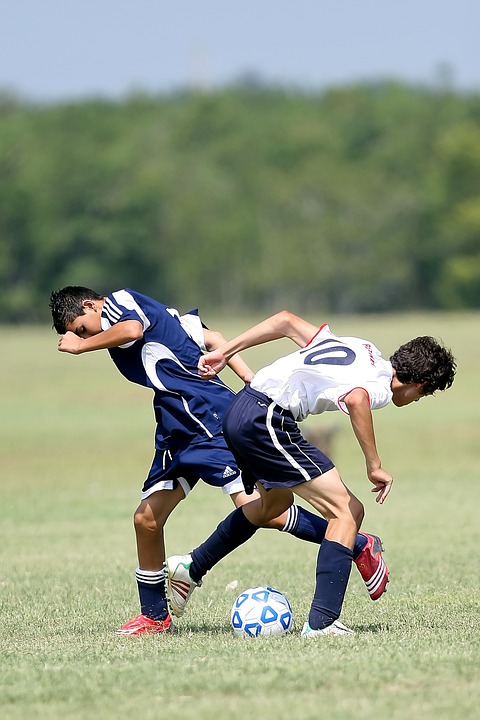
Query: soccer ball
{"type": "Point", "coordinates": [261, 611]}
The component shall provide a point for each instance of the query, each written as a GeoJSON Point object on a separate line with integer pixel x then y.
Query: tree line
{"type": "Point", "coordinates": [362, 198]}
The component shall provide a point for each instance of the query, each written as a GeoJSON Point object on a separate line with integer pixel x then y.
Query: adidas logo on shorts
{"type": "Point", "coordinates": [228, 472]}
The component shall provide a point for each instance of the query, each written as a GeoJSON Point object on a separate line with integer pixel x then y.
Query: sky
{"type": "Point", "coordinates": [57, 50]}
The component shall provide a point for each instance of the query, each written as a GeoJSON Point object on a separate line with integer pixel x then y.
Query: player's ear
{"type": "Point", "coordinates": [89, 304]}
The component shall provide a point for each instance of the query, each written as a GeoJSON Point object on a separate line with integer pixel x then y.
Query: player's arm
{"type": "Point", "coordinates": [121, 333]}
{"type": "Point", "coordinates": [283, 324]}
{"type": "Point", "coordinates": [214, 340]}
{"type": "Point", "coordinates": [358, 406]}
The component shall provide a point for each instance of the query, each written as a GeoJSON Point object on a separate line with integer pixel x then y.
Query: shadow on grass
{"type": "Point", "coordinates": [372, 628]}
{"type": "Point", "coordinates": [224, 630]}
{"type": "Point", "coordinates": [201, 627]}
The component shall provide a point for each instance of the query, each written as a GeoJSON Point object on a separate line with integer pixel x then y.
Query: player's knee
{"type": "Point", "coordinates": [350, 517]}
{"type": "Point", "coordinates": [145, 522]}
{"type": "Point", "coordinates": [260, 513]}
{"type": "Point", "coordinates": [358, 511]}
{"type": "Point", "coordinates": [271, 514]}
{"type": "Point", "coordinates": [276, 524]}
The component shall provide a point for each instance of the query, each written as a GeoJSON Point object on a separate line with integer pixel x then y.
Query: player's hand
{"type": "Point", "coordinates": [383, 483]}
{"type": "Point", "coordinates": [70, 343]}
{"type": "Point", "coordinates": [211, 364]}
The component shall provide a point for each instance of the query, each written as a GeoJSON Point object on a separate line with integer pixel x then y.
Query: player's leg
{"type": "Point", "coordinates": [267, 440]}
{"type": "Point", "coordinates": [305, 525]}
{"type": "Point", "coordinates": [328, 495]}
{"type": "Point", "coordinates": [149, 521]}
{"type": "Point", "coordinates": [267, 506]}
{"type": "Point", "coordinates": [344, 512]}
{"type": "Point", "coordinates": [162, 491]}
{"type": "Point", "coordinates": [367, 550]}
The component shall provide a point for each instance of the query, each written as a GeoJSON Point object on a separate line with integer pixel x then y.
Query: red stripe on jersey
{"type": "Point", "coordinates": [318, 331]}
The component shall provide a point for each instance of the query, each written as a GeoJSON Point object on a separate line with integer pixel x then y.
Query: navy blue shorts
{"type": "Point", "coordinates": [268, 444]}
{"type": "Point", "coordinates": [207, 459]}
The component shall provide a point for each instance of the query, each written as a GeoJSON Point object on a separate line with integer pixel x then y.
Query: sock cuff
{"type": "Point", "coordinates": [333, 545]}
{"type": "Point", "coordinates": [150, 577]}
{"type": "Point", "coordinates": [292, 519]}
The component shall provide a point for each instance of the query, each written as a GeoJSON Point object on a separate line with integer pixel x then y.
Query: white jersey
{"type": "Point", "coordinates": [317, 378]}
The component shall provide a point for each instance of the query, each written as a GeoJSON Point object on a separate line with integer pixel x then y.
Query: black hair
{"type": "Point", "coordinates": [67, 304]}
{"type": "Point", "coordinates": [425, 360]}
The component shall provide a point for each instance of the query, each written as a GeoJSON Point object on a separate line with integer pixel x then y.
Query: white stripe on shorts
{"type": "Point", "coordinates": [280, 448]}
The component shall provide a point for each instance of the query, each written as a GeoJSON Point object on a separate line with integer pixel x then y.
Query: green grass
{"type": "Point", "coordinates": [75, 445]}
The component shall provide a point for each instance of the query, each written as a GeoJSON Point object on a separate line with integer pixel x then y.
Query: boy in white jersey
{"type": "Point", "coordinates": [260, 426]}
{"type": "Point", "coordinates": [152, 345]}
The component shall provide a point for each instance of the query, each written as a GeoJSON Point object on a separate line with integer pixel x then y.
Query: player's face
{"type": "Point", "coordinates": [404, 394]}
{"type": "Point", "coordinates": [86, 325]}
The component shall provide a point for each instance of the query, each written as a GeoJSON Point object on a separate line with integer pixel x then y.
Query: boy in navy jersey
{"type": "Point", "coordinates": [152, 345]}
{"type": "Point", "coordinates": [260, 426]}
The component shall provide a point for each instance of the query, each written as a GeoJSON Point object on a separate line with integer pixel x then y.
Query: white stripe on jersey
{"type": "Point", "coordinates": [113, 313]}
{"type": "Point", "coordinates": [188, 411]}
{"type": "Point", "coordinates": [151, 354]}
{"type": "Point", "coordinates": [122, 297]}
{"type": "Point", "coordinates": [192, 325]}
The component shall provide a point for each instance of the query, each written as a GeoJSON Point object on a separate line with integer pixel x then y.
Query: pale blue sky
{"type": "Point", "coordinates": [60, 49]}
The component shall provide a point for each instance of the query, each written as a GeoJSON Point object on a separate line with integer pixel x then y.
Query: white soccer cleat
{"type": "Point", "coordinates": [336, 628]}
{"type": "Point", "coordinates": [179, 583]}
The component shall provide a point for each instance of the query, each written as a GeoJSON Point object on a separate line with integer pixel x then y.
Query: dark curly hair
{"type": "Point", "coordinates": [425, 360]}
{"type": "Point", "coordinates": [66, 305]}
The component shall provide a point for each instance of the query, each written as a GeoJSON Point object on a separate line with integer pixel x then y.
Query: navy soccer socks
{"type": "Point", "coordinates": [230, 534]}
{"type": "Point", "coordinates": [305, 525]}
{"type": "Point", "coordinates": [334, 563]}
{"type": "Point", "coordinates": [151, 590]}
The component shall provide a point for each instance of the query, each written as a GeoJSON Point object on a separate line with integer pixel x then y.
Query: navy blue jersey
{"type": "Point", "coordinates": [165, 359]}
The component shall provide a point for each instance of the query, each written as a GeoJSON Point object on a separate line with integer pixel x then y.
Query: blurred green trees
{"type": "Point", "coordinates": [250, 198]}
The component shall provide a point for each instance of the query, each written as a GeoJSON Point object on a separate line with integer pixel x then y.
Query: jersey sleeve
{"type": "Point", "coordinates": [378, 395]}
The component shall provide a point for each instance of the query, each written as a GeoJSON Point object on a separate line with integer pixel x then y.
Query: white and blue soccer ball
{"type": "Point", "coordinates": [261, 612]}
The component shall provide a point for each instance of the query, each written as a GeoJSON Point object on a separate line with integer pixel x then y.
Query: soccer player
{"type": "Point", "coordinates": [152, 345]}
{"type": "Point", "coordinates": [260, 426]}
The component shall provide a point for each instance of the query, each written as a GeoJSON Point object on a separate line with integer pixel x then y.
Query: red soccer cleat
{"type": "Point", "coordinates": [372, 566]}
{"type": "Point", "coordinates": [143, 625]}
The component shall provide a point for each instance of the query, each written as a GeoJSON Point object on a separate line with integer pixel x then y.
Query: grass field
{"type": "Point", "coordinates": [76, 442]}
